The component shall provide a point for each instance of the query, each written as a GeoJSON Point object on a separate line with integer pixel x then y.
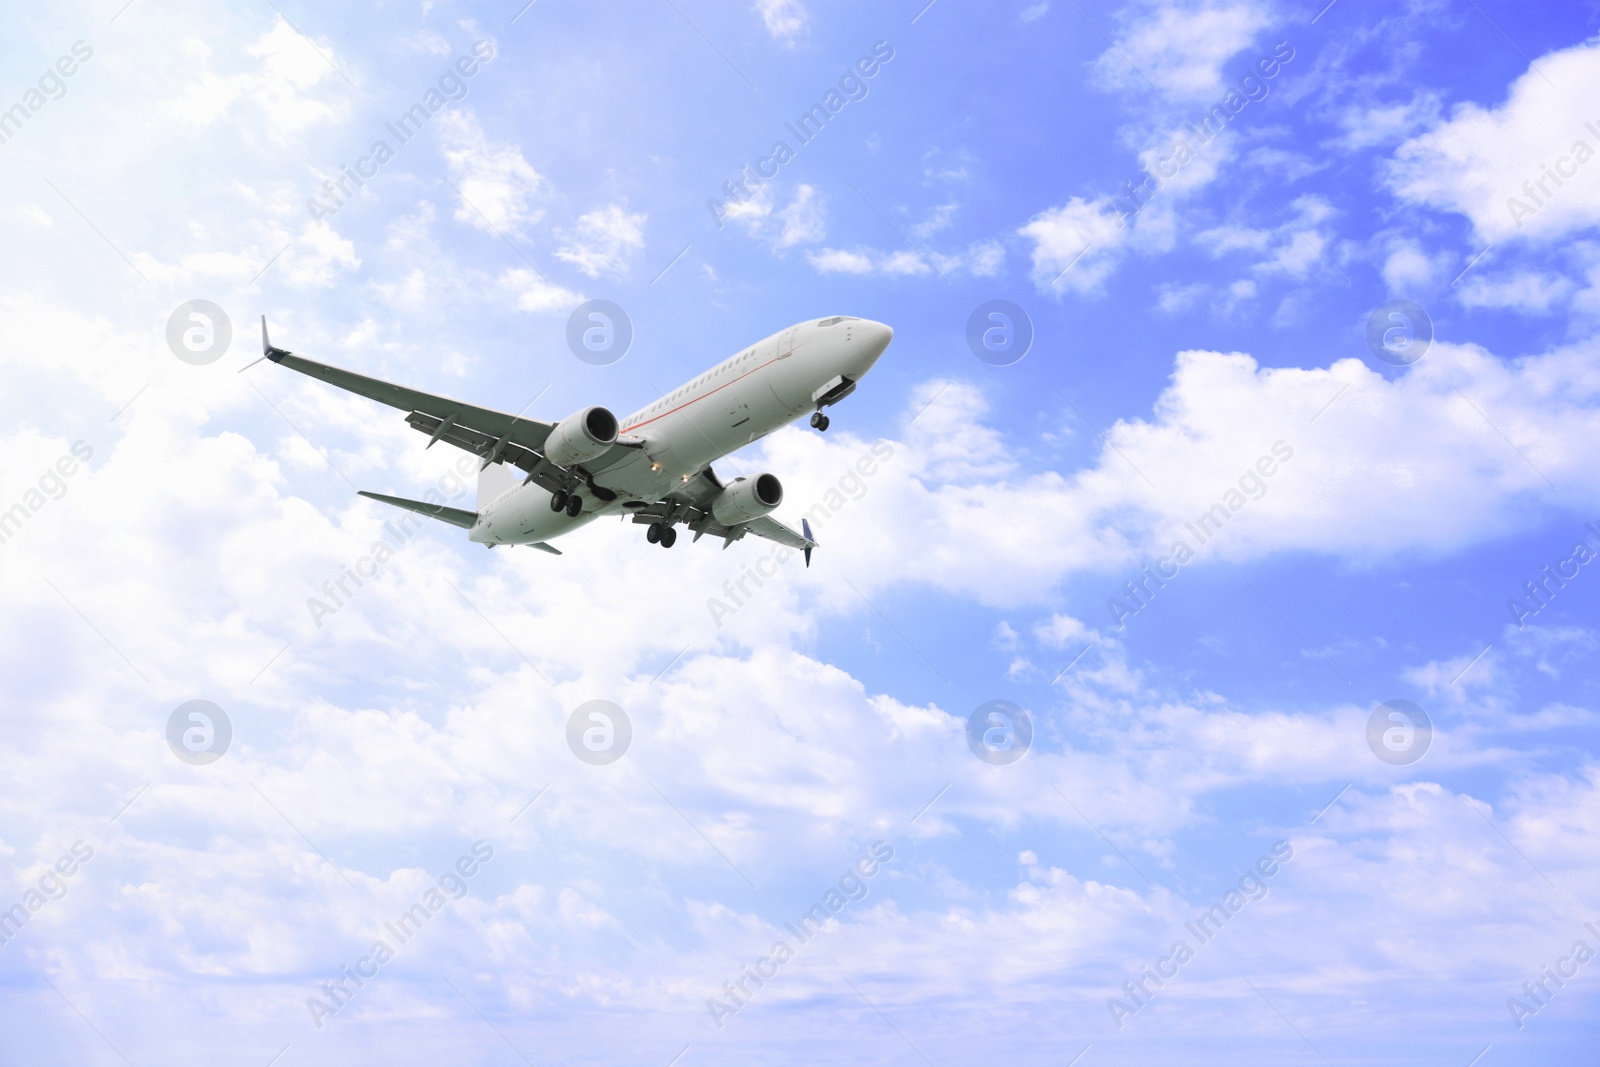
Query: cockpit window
{"type": "Point", "coordinates": [836, 320]}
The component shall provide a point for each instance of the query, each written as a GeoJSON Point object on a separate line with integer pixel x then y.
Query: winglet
{"type": "Point", "coordinates": [805, 528]}
{"type": "Point", "coordinates": [267, 349]}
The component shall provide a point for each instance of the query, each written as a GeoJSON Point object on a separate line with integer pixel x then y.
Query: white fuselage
{"type": "Point", "coordinates": [746, 396]}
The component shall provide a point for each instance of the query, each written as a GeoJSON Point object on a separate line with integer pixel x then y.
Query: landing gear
{"type": "Point", "coordinates": [669, 537]}
{"type": "Point", "coordinates": [558, 500]}
{"type": "Point", "coordinates": [819, 422]}
{"type": "Point", "coordinates": [658, 533]}
{"type": "Point", "coordinates": [574, 506]}
{"type": "Point", "coordinates": [652, 533]}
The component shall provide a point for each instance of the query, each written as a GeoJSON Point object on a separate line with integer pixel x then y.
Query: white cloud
{"type": "Point", "coordinates": [1388, 467]}
{"type": "Point", "coordinates": [984, 259]}
{"type": "Point", "coordinates": [1221, 240]}
{"type": "Point", "coordinates": [904, 262]}
{"type": "Point", "coordinates": [1520, 291]}
{"type": "Point", "coordinates": [804, 220]}
{"type": "Point", "coordinates": [1488, 163]}
{"type": "Point", "coordinates": [604, 241]}
{"type": "Point", "coordinates": [1383, 124]}
{"type": "Point", "coordinates": [536, 293]}
{"type": "Point", "coordinates": [752, 213]}
{"type": "Point", "coordinates": [987, 258]}
{"type": "Point", "coordinates": [1034, 12]}
{"type": "Point", "coordinates": [786, 20]}
{"type": "Point", "coordinates": [840, 261]}
{"type": "Point", "coordinates": [393, 780]}
{"type": "Point", "coordinates": [1060, 631]}
{"type": "Point", "coordinates": [1180, 46]}
{"type": "Point", "coordinates": [495, 181]}
{"type": "Point", "coordinates": [427, 42]}
{"type": "Point", "coordinates": [285, 88]}
{"type": "Point", "coordinates": [31, 213]}
{"type": "Point", "coordinates": [1407, 268]}
{"type": "Point", "coordinates": [313, 259]}
{"type": "Point", "coordinates": [1191, 177]}
{"type": "Point", "coordinates": [1075, 246]}
{"type": "Point", "coordinates": [939, 219]}
{"type": "Point", "coordinates": [1293, 166]}
{"type": "Point", "coordinates": [1174, 298]}
{"type": "Point", "coordinates": [1293, 248]}
{"type": "Point", "coordinates": [1304, 241]}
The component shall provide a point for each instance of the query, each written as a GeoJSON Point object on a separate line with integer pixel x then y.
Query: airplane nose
{"type": "Point", "coordinates": [874, 338]}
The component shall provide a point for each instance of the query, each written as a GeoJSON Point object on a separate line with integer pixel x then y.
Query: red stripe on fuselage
{"type": "Point", "coordinates": [718, 389]}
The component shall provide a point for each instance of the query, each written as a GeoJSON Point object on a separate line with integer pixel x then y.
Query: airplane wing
{"type": "Point", "coordinates": [494, 435]}
{"type": "Point", "coordinates": [773, 530]}
{"type": "Point", "coordinates": [691, 505]}
{"type": "Point", "coordinates": [424, 408]}
{"type": "Point", "coordinates": [454, 516]}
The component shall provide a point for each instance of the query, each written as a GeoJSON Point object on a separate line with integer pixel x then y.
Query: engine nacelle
{"type": "Point", "coordinates": [581, 437]}
{"type": "Point", "coordinates": [746, 499]}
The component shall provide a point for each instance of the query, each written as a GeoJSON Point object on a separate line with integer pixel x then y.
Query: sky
{"type": "Point", "coordinates": [1278, 542]}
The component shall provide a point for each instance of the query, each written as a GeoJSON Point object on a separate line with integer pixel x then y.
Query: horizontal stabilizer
{"type": "Point", "coordinates": [454, 516]}
{"type": "Point", "coordinates": [545, 547]}
{"type": "Point", "coordinates": [773, 530]}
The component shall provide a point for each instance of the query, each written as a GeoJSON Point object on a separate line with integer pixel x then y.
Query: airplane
{"type": "Point", "coordinates": [655, 464]}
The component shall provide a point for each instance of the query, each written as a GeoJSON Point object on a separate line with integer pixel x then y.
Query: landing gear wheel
{"type": "Point", "coordinates": [652, 533]}
{"type": "Point", "coordinates": [574, 506]}
{"type": "Point", "coordinates": [558, 500]}
{"type": "Point", "coordinates": [669, 537]}
{"type": "Point", "coordinates": [819, 422]}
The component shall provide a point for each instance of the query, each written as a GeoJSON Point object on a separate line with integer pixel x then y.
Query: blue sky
{"type": "Point", "coordinates": [1220, 327]}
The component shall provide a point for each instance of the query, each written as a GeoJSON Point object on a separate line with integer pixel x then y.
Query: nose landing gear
{"type": "Point", "coordinates": [819, 422]}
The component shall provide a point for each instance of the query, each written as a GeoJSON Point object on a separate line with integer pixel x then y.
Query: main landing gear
{"type": "Point", "coordinates": [571, 503]}
{"type": "Point", "coordinates": [819, 422]}
{"type": "Point", "coordinates": [661, 534]}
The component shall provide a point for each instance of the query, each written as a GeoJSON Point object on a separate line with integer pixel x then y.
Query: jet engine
{"type": "Point", "coordinates": [747, 498]}
{"type": "Point", "coordinates": [581, 437]}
